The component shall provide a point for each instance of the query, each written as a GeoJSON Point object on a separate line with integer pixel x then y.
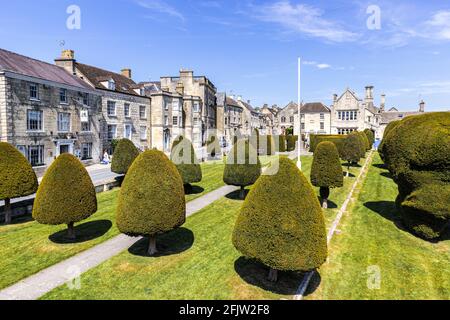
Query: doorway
{"type": "Point", "coordinates": [64, 148]}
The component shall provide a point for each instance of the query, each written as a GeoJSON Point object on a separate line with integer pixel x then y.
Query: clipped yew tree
{"type": "Point", "coordinates": [125, 153]}
{"type": "Point", "coordinates": [281, 223]}
{"type": "Point", "coordinates": [370, 137]}
{"type": "Point", "coordinates": [66, 194]}
{"type": "Point", "coordinates": [326, 170]}
{"type": "Point", "coordinates": [184, 157]}
{"type": "Point", "coordinates": [387, 132]}
{"type": "Point", "coordinates": [365, 142]}
{"type": "Point", "coordinates": [282, 143]}
{"type": "Point", "coordinates": [418, 151]}
{"type": "Point", "coordinates": [351, 151]}
{"type": "Point", "coordinates": [242, 167]}
{"type": "Point", "coordinates": [151, 200]}
{"type": "Point", "coordinates": [362, 144]}
{"type": "Point", "coordinates": [17, 178]}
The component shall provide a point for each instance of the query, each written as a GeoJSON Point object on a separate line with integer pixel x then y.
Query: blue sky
{"type": "Point", "coordinates": [250, 48]}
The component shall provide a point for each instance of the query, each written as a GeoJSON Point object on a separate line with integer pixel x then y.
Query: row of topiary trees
{"type": "Point", "coordinates": [416, 151]}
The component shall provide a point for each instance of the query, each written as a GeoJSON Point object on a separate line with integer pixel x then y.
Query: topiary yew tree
{"type": "Point", "coordinates": [184, 157]}
{"type": "Point", "coordinates": [281, 223]}
{"type": "Point", "coordinates": [418, 153]}
{"type": "Point", "coordinates": [242, 167]}
{"type": "Point", "coordinates": [370, 137]}
{"type": "Point", "coordinates": [125, 153]}
{"type": "Point", "coordinates": [66, 194]}
{"type": "Point", "coordinates": [389, 128]}
{"type": "Point", "coordinates": [151, 200]}
{"type": "Point", "coordinates": [365, 141]}
{"type": "Point", "coordinates": [17, 178]}
{"type": "Point", "coordinates": [351, 151]}
{"type": "Point", "coordinates": [282, 143]}
{"type": "Point", "coordinates": [326, 170]}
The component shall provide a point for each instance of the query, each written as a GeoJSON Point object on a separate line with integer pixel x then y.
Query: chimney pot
{"type": "Point", "coordinates": [126, 73]}
{"type": "Point", "coordinates": [422, 106]}
{"type": "Point", "coordinates": [68, 54]}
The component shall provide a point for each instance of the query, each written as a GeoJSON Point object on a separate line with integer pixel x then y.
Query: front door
{"type": "Point", "coordinates": [64, 148]}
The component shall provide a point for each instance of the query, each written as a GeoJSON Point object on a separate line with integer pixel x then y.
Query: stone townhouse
{"type": "Point", "coordinates": [173, 114]}
{"type": "Point", "coordinates": [251, 117]}
{"type": "Point", "coordinates": [125, 110]}
{"type": "Point", "coordinates": [197, 86]}
{"type": "Point", "coordinates": [286, 117]}
{"type": "Point", "coordinates": [45, 112]}
{"type": "Point", "coordinates": [232, 115]}
{"type": "Point", "coordinates": [270, 119]}
{"type": "Point", "coordinates": [315, 119]}
{"type": "Point", "coordinates": [349, 113]}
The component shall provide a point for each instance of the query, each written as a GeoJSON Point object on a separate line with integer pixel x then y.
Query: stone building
{"type": "Point", "coordinates": [315, 119]}
{"type": "Point", "coordinates": [393, 114]}
{"type": "Point", "coordinates": [251, 117]}
{"type": "Point", "coordinates": [233, 115]}
{"type": "Point", "coordinates": [196, 87]}
{"type": "Point", "coordinates": [45, 112]}
{"type": "Point", "coordinates": [270, 119]}
{"type": "Point", "coordinates": [286, 117]}
{"type": "Point", "coordinates": [125, 110]}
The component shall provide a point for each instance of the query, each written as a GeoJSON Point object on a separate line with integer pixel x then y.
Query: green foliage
{"type": "Point", "coordinates": [125, 153]}
{"type": "Point", "coordinates": [187, 163]}
{"type": "Point", "coordinates": [362, 144]}
{"type": "Point", "coordinates": [213, 146]}
{"type": "Point", "coordinates": [282, 143]}
{"type": "Point", "coordinates": [370, 136]}
{"type": "Point", "coordinates": [242, 166]}
{"type": "Point", "coordinates": [151, 200]}
{"type": "Point", "coordinates": [267, 145]}
{"type": "Point", "coordinates": [351, 150]}
{"type": "Point", "coordinates": [418, 157]}
{"type": "Point", "coordinates": [17, 178]}
{"type": "Point", "coordinates": [291, 142]}
{"type": "Point", "coordinates": [326, 170]}
{"type": "Point", "coordinates": [66, 193]}
{"type": "Point", "coordinates": [365, 141]}
{"type": "Point", "coordinates": [316, 139]}
{"type": "Point", "coordinates": [389, 128]}
{"type": "Point", "coordinates": [284, 229]}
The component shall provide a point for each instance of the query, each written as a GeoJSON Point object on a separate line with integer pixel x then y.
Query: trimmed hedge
{"type": "Point", "coordinates": [362, 144]}
{"type": "Point", "coordinates": [338, 141]}
{"type": "Point", "coordinates": [418, 154]}
{"type": "Point", "coordinates": [291, 142]}
{"type": "Point", "coordinates": [239, 167]}
{"type": "Point", "coordinates": [17, 178]}
{"type": "Point", "coordinates": [282, 143]}
{"type": "Point", "coordinates": [66, 194]}
{"type": "Point", "coordinates": [326, 170]}
{"type": "Point", "coordinates": [284, 230]}
{"type": "Point", "coordinates": [187, 164]}
{"type": "Point", "coordinates": [124, 154]}
{"type": "Point", "coordinates": [389, 128]}
{"type": "Point", "coordinates": [351, 150]}
{"type": "Point", "coordinates": [151, 200]}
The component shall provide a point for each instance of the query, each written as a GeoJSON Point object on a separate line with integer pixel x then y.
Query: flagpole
{"type": "Point", "coordinates": [299, 161]}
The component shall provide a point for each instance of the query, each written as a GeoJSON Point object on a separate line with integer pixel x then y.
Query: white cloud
{"type": "Point", "coordinates": [161, 7]}
{"type": "Point", "coordinates": [439, 25]}
{"type": "Point", "coordinates": [304, 19]}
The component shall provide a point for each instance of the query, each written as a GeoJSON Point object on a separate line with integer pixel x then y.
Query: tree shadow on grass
{"type": "Point", "coordinates": [170, 243]}
{"type": "Point", "coordinates": [386, 174]}
{"type": "Point", "coordinates": [352, 165]}
{"type": "Point", "coordinates": [189, 190]}
{"type": "Point", "coordinates": [84, 232]}
{"type": "Point", "coordinates": [235, 195]}
{"type": "Point", "coordinates": [350, 175]}
{"type": "Point", "coordinates": [255, 273]}
{"type": "Point", "coordinates": [331, 204]}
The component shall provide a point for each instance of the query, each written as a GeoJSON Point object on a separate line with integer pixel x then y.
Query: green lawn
{"type": "Point", "coordinates": [199, 262]}
{"type": "Point", "coordinates": [373, 239]}
{"type": "Point", "coordinates": [27, 249]}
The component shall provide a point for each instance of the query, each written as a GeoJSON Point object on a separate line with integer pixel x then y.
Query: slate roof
{"type": "Point", "coordinates": [387, 117]}
{"type": "Point", "coordinates": [232, 102]}
{"type": "Point", "coordinates": [16, 63]}
{"type": "Point", "coordinates": [313, 107]}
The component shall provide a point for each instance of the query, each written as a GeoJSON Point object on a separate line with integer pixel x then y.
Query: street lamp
{"type": "Point", "coordinates": [299, 161]}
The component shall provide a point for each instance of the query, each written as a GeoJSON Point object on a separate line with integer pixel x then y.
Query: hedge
{"type": "Point", "coordinates": [284, 230]}
{"type": "Point", "coordinates": [291, 142]}
{"type": "Point", "coordinates": [338, 141]}
{"type": "Point", "coordinates": [151, 200]}
{"type": "Point", "coordinates": [125, 153]}
{"type": "Point", "coordinates": [389, 128]}
{"type": "Point", "coordinates": [282, 143]}
{"type": "Point", "coordinates": [187, 164]}
{"type": "Point", "coordinates": [17, 178]}
{"type": "Point", "coordinates": [66, 194]}
{"type": "Point", "coordinates": [418, 153]}
{"type": "Point", "coordinates": [351, 150]}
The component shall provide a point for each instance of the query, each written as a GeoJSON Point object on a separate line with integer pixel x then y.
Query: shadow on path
{"type": "Point", "coordinates": [190, 189]}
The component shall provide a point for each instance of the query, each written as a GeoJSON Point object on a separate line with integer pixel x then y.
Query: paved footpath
{"type": "Point", "coordinates": [48, 279]}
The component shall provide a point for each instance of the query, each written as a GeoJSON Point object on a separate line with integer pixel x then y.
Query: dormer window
{"type": "Point", "coordinates": [111, 85]}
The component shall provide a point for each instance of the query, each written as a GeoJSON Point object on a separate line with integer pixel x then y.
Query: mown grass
{"type": "Point", "coordinates": [374, 246]}
{"type": "Point", "coordinates": [28, 247]}
{"type": "Point", "coordinates": [198, 262]}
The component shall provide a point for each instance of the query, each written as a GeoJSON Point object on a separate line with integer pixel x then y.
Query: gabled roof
{"type": "Point", "coordinates": [19, 64]}
{"type": "Point", "coordinates": [232, 102]}
{"type": "Point", "coordinates": [96, 76]}
{"type": "Point", "coordinates": [351, 92]}
{"type": "Point", "coordinates": [312, 107]}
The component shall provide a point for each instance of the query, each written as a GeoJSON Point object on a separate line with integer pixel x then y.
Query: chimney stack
{"type": "Point", "coordinates": [67, 61]}
{"type": "Point", "coordinates": [335, 97]}
{"type": "Point", "coordinates": [369, 94]}
{"type": "Point", "coordinates": [249, 102]}
{"type": "Point", "coordinates": [383, 103]}
{"type": "Point", "coordinates": [180, 88]}
{"type": "Point", "coordinates": [126, 73]}
{"type": "Point", "coordinates": [239, 98]}
{"type": "Point", "coordinates": [422, 106]}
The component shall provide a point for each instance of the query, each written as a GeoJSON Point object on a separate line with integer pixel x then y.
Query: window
{"type": "Point", "coordinates": [322, 116]}
{"type": "Point", "coordinates": [111, 85]}
{"type": "Point", "coordinates": [112, 132]}
{"type": "Point", "coordinates": [36, 155]}
{"type": "Point", "coordinates": [86, 151]}
{"type": "Point", "coordinates": [175, 121]}
{"type": "Point", "coordinates": [63, 122]}
{"type": "Point", "coordinates": [126, 110]}
{"type": "Point", "coordinates": [303, 126]}
{"type": "Point", "coordinates": [34, 91]}
{"type": "Point", "coordinates": [283, 119]}
{"type": "Point", "coordinates": [86, 99]}
{"type": "Point", "coordinates": [166, 105]}
{"type": "Point", "coordinates": [143, 112]}
{"type": "Point", "coordinates": [63, 96]}
{"type": "Point", "coordinates": [85, 126]}
{"type": "Point", "coordinates": [291, 119]}
{"type": "Point", "coordinates": [166, 120]}
{"type": "Point", "coordinates": [195, 121]}
{"type": "Point", "coordinates": [143, 133]}
{"type": "Point", "coordinates": [127, 131]}
{"type": "Point", "coordinates": [196, 107]}
{"type": "Point", "coordinates": [322, 126]}
{"type": "Point", "coordinates": [111, 108]}
{"type": "Point", "coordinates": [34, 120]}
{"type": "Point", "coordinates": [175, 105]}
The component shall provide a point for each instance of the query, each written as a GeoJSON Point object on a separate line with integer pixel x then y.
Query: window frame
{"type": "Point", "coordinates": [40, 123]}
{"type": "Point", "coordinates": [61, 122]}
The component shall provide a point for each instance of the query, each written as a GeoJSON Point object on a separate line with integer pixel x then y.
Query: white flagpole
{"type": "Point", "coordinates": [299, 161]}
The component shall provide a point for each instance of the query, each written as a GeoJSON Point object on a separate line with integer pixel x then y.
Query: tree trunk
{"type": "Point", "coordinates": [242, 193]}
{"type": "Point", "coordinates": [71, 231]}
{"type": "Point", "coordinates": [7, 211]}
{"type": "Point", "coordinates": [152, 245]}
{"type": "Point", "coordinates": [325, 203]}
{"type": "Point", "coordinates": [273, 275]}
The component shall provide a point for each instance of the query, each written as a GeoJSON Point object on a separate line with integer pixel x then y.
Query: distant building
{"type": "Point", "coordinates": [233, 116]}
{"type": "Point", "coordinates": [393, 115]}
{"type": "Point", "coordinates": [315, 119]}
{"type": "Point", "coordinates": [45, 111]}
